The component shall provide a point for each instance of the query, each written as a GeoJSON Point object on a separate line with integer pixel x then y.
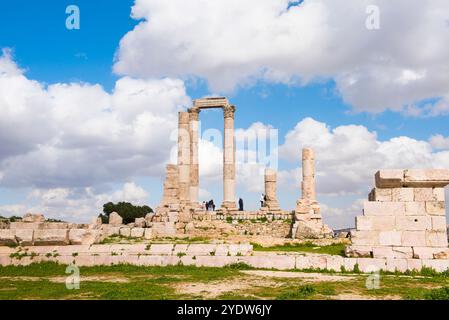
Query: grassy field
{"type": "Point", "coordinates": [47, 281]}
{"type": "Point", "coordinates": [333, 249]}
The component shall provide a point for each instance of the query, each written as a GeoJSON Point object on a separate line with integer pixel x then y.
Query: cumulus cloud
{"type": "Point", "coordinates": [348, 156]}
{"type": "Point", "coordinates": [79, 135]}
{"type": "Point", "coordinates": [233, 43]}
{"type": "Point", "coordinates": [74, 204]}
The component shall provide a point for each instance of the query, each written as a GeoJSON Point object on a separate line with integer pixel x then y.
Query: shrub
{"type": "Point", "coordinates": [126, 210]}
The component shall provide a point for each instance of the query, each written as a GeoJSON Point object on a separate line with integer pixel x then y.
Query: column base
{"type": "Point", "coordinates": [228, 206]}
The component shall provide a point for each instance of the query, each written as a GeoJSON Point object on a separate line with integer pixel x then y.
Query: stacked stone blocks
{"type": "Point", "coordinates": [404, 217]}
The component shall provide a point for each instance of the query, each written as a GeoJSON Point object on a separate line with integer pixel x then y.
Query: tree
{"type": "Point", "coordinates": [126, 210]}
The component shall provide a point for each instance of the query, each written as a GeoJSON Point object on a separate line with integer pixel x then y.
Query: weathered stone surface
{"type": "Point", "coordinates": [439, 223]}
{"type": "Point", "coordinates": [436, 239]}
{"type": "Point", "coordinates": [414, 238]}
{"type": "Point", "coordinates": [359, 251]}
{"type": "Point", "coordinates": [7, 237]}
{"type": "Point", "coordinates": [426, 177]}
{"type": "Point", "coordinates": [371, 208]}
{"type": "Point", "coordinates": [402, 194]}
{"type": "Point", "coordinates": [415, 208]}
{"type": "Point", "coordinates": [33, 217]}
{"type": "Point", "coordinates": [399, 265]}
{"type": "Point", "coordinates": [125, 232]}
{"type": "Point", "coordinates": [423, 194]}
{"type": "Point", "coordinates": [439, 194]}
{"type": "Point", "coordinates": [48, 237]}
{"type": "Point", "coordinates": [365, 238]}
{"type": "Point", "coordinates": [137, 232]}
{"type": "Point", "coordinates": [382, 195]}
{"type": "Point", "coordinates": [390, 238]}
{"type": "Point", "coordinates": [436, 208]}
{"type": "Point", "coordinates": [413, 223]}
{"type": "Point", "coordinates": [24, 237]}
{"type": "Point", "coordinates": [115, 219]}
{"type": "Point", "coordinates": [148, 234]}
{"type": "Point", "coordinates": [140, 223]}
{"type": "Point", "coordinates": [84, 236]}
{"type": "Point", "coordinates": [389, 178]}
{"type": "Point", "coordinates": [26, 225]}
{"type": "Point", "coordinates": [375, 223]}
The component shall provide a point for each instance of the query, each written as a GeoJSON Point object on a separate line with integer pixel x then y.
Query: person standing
{"type": "Point", "coordinates": [207, 205]}
{"type": "Point", "coordinates": [262, 200]}
{"type": "Point", "coordinates": [240, 204]}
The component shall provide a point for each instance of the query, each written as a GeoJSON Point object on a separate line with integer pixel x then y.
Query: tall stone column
{"type": "Point", "coordinates": [270, 190]}
{"type": "Point", "coordinates": [229, 159]}
{"type": "Point", "coordinates": [308, 175]}
{"type": "Point", "coordinates": [194, 164]}
{"type": "Point", "coordinates": [184, 157]}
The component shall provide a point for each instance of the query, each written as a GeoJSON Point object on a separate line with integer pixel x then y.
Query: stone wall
{"type": "Point", "coordinates": [404, 218]}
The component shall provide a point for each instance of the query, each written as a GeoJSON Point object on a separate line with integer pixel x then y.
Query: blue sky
{"type": "Point", "coordinates": [50, 53]}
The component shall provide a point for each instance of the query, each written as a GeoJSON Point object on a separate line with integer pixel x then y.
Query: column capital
{"type": "Point", "coordinates": [194, 113]}
{"type": "Point", "coordinates": [228, 111]}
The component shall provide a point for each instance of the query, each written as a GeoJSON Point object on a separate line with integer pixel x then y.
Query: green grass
{"type": "Point", "coordinates": [138, 282]}
{"type": "Point", "coordinates": [333, 249]}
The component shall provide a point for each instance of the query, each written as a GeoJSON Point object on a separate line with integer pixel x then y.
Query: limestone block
{"type": "Point", "coordinates": [426, 177]}
{"type": "Point", "coordinates": [318, 262]}
{"type": "Point", "coordinates": [437, 265]}
{"type": "Point", "coordinates": [137, 232]}
{"type": "Point", "coordinates": [349, 263]}
{"type": "Point", "coordinates": [216, 262]}
{"type": "Point", "coordinates": [415, 208]}
{"type": "Point", "coordinates": [115, 219]}
{"type": "Point", "coordinates": [24, 237]}
{"type": "Point", "coordinates": [439, 223]}
{"type": "Point", "coordinates": [402, 194]}
{"type": "Point", "coordinates": [390, 238]}
{"type": "Point", "coordinates": [112, 231]}
{"type": "Point", "coordinates": [302, 263]}
{"type": "Point", "coordinates": [161, 249]}
{"type": "Point", "coordinates": [50, 237]}
{"type": "Point", "coordinates": [140, 222]}
{"type": "Point", "coordinates": [436, 208]}
{"type": "Point", "coordinates": [5, 261]}
{"type": "Point", "coordinates": [365, 238]}
{"type": "Point", "coordinates": [375, 223]}
{"type": "Point", "coordinates": [438, 194]}
{"type": "Point", "coordinates": [54, 225]}
{"type": "Point", "coordinates": [436, 239]}
{"type": "Point", "coordinates": [180, 249]}
{"type": "Point", "coordinates": [428, 252]}
{"type": "Point", "coordinates": [359, 251]}
{"type": "Point", "coordinates": [414, 238]}
{"type": "Point", "coordinates": [23, 225]}
{"type": "Point", "coordinates": [394, 265]}
{"type": "Point", "coordinates": [414, 264]}
{"type": "Point", "coordinates": [30, 217]}
{"type": "Point", "coordinates": [202, 249]}
{"type": "Point", "coordinates": [7, 237]}
{"type": "Point", "coordinates": [403, 252]}
{"type": "Point", "coordinates": [383, 252]}
{"type": "Point", "coordinates": [148, 233]}
{"type": "Point", "coordinates": [125, 232]}
{"type": "Point", "coordinates": [84, 236]}
{"type": "Point", "coordinates": [383, 195]}
{"type": "Point", "coordinates": [389, 178]}
{"type": "Point", "coordinates": [145, 260]}
{"type": "Point", "coordinates": [383, 208]}
{"type": "Point", "coordinates": [367, 265]}
{"type": "Point", "coordinates": [279, 262]}
{"type": "Point", "coordinates": [423, 194]}
{"type": "Point", "coordinates": [334, 263]}
{"type": "Point", "coordinates": [413, 223]}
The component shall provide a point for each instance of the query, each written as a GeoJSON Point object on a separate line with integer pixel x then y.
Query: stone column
{"type": "Point", "coordinates": [229, 159]}
{"type": "Point", "coordinates": [194, 165]}
{"type": "Point", "coordinates": [270, 189]}
{"type": "Point", "coordinates": [308, 175]}
{"type": "Point", "coordinates": [171, 186]}
{"type": "Point", "coordinates": [184, 157]}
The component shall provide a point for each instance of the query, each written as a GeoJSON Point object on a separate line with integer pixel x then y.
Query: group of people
{"type": "Point", "coordinates": [210, 205]}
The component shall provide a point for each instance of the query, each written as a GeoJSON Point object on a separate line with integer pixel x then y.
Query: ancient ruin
{"type": "Point", "coordinates": [403, 226]}
{"type": "Point", "coordinates": [404, 217]}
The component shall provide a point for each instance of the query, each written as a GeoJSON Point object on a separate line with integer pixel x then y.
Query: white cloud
{"type": "Point", "coordinates": [233, 43]}
{"type": "Point", "coordinates": [439, 142]}
{"type": "Point", "coordinates": [79, 135]}
{"type": "Point", "coordinates": [348, 156]}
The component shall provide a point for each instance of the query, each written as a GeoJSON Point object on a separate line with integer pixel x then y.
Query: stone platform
{"type": "Point", "coordinates": [205, 255]}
